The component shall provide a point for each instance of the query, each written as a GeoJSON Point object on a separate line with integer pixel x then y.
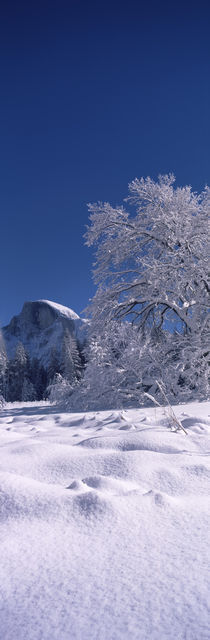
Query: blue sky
{"type": "Point", "coordinates": [93, 94]}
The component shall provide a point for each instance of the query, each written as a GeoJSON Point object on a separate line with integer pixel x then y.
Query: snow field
{"type": "Point", "coordinates": [104, 524]}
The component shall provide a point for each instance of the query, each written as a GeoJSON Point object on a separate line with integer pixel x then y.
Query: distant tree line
{"type": "Point", "coordinates": [25, 379]}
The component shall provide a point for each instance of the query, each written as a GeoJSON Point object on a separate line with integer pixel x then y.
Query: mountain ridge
{"type": "Point", "coordinates": [40, 327]}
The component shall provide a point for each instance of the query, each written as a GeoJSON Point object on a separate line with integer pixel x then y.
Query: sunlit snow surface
{"type": "Point", "coordinates": [63, 311]}
{"type": "Point", "coordinates": [104, 524]}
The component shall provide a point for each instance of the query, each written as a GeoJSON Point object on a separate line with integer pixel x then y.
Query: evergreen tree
{"type": "Point", "coordinates": [70, 358]}
{"type": "Point", "coordinates": [28, 391]}
{"type": "Point", "coordinates": [3, 367]}
{"type": "Point", "coordinates": [17, 372]}
{"type": "Point", "coordinates": [54, 365]}
{"type": "Point", "coordinates": [38, 378]}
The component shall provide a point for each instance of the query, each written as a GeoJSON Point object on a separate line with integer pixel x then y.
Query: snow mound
{"type": "Point", "coordinates": [104, 520]}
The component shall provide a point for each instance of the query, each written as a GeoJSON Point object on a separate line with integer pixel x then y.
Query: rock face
{"type": "Point", "coordinates": [40, 327]}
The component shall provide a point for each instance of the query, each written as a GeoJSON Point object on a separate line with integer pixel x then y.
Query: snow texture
{"type": "Point", "coordinates": [61, 310]}
{"type": "Point", "coordinates": [104, 524]}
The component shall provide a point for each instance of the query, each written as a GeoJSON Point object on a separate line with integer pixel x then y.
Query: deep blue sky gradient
{"type": "Point", "coordinates": [93, 94]}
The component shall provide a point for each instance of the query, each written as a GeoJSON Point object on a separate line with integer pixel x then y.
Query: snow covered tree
{"type": "Point", "coordinates": [103, 384]}
{"type": "Point", "coordinates": [17, 371]}
{"type": "Point", "coordinates": [71, 362]}
{"type": "Point", "coordinates": [3, 367]}
{"type": "Point", "coordinates": [59, 390]}
{"type": "Point", "coordinates": [54, 364]}
{"type": "Point", "coordinates": [121, 367]}
{"type": "Point", "coordinates": [28, 391]}
{"type": "Point", "coordinates": [152, 269]}
{"type": "Point", "coordinates": [152, 266]}
{"type": "Point", "coordinates": [38, 378]}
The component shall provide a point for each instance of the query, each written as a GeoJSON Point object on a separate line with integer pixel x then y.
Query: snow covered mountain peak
{"type": "Point", "coordinates": [40, 327]}
{"type": "Point", "coordinates": [60, 309]}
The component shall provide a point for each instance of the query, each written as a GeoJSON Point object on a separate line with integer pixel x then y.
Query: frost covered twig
{"type": "Point", "coordinates": [171, 413]}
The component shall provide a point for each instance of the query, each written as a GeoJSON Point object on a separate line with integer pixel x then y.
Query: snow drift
{"type": "Point", "coordinates": [104, 521]}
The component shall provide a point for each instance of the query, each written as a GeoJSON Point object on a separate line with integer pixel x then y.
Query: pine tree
{"type": "Point", "coordinates": [38, 377]}
{"type": "Point", "coordinates": [17, 372]}
{"type": "Point", "coordinates": [3, 367]}
{"type": "Point", "coordinates": [28, 391]}
{"type": "Point", "coordinates": [70, 357]}
{"type": "Point", "coordinates": [54, 365]}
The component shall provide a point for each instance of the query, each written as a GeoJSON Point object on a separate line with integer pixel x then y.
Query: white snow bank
{"type": "Point", "coordinates": [104, 524]}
